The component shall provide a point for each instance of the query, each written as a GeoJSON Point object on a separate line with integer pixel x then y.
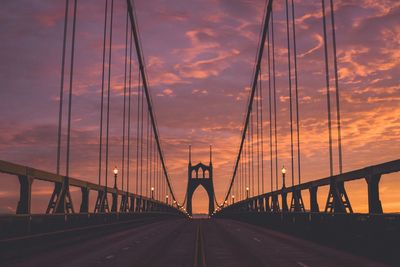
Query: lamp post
{"type": "Point", "coordinates": [115, 176]}
{"type": "Point", "coordinates": [233, 199]}
{"type": "Point", "coordinates": [152, 192]}
{"type": "Point", "coordinates": [247, 192]}
{"type": "Point", "coordinates": [283, 176]}
{"type": "Point", "coordinates": [166, 199]}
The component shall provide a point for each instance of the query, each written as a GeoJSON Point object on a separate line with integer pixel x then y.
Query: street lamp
{"type": "Point", "coordinates": [247, 192]}
{"type": "Point", "coordinates": [283, 176]}
{"type": "Point", "coordinates": [233, 199]}
{"type": "Point", "coordinates": [166, 199]}
{"type": "Point", "coordinates": [152, 192]}
{"type": "Point", "coordinates": [115, 176]}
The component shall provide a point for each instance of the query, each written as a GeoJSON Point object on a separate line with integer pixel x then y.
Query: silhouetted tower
{"type": "Point", "coordinates": [200, 174]}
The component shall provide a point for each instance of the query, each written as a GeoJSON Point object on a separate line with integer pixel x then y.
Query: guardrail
{"type": "Point", "coordinates": [337, 201]}
{"type": "Point", "coordinates": [61, 202]}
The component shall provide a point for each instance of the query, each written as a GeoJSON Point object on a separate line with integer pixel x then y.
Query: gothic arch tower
{"type": "Point", "coordinates": [200, 175]}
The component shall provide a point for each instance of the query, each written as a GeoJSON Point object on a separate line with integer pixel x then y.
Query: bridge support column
{"type": "Point", "coordinates": [338, 201]}
{"type": "Point", "coordinates": [102, 201]}
{"type": "Point", "coordinates": [267, 207]}
{"type": "Point", "coordinates": [261, 204]}
{"type": "Point", "coordinates": [132, 204]}
{"type": "Point", "coordinates": [297, 205]}
{"type": "Point", "coordinates": [275, 203]}
{"type": "Point", "coordinates": [374, 203]}
{"type": "Point", "coordinates": [85, 200]}
{"type": "Point", "coordinates": [285, 207]}
{"type": "Point", "coordinates": [60, 201]}
{"type": "Point", "coordinates": [25, 193]}
{"type": "Point", "coordinates": [313, 199]}
{"type": "Point", "coordinates": [114, 204]}
{"type": "Point", "coordinates": [124, 207]}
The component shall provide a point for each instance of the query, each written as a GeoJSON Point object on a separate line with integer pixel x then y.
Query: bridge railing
{"type": "Point", "coordinates": [61, 201]}
{"type": "Point", "coordinates": [337, 201]}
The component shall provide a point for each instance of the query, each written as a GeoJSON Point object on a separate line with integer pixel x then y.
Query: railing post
{"type": "Point", "coordinates": [85, 200]}
{"type": "Point", "coordinates": [114, 204]}
{"type": "Point", "coordinates": [25, 193]}
{"type": "Point", "coordinates": [313, 199]}
{"type": "Point", "coordinates": [267, 207]}
{"type": "Point", "coordinates": [284, 201]}
{"type": "Point", "coordinates": [374, 203]}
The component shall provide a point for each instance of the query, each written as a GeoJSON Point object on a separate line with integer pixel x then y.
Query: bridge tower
{"type": "Point", "coordinates": [200, 175]}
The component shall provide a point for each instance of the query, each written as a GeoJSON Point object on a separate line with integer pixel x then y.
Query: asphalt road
{"type": "Point", "coordinates": [181, 242]}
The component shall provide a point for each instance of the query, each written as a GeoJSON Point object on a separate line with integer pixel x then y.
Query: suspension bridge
{"type": "Point", "coordinates": [135, 217]}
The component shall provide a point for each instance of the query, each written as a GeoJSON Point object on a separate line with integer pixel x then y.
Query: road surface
{"type": "Point", "coordinates": [178, 242]}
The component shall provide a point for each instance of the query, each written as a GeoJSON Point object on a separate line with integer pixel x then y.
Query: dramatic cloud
{"type": "Point", "coordinates": [199, 57]}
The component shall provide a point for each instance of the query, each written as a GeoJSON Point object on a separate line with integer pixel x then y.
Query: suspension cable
{"type": "Point", "coordinates": [270, 113]}
{"type": "Point", "coordinates": [297, 94]}
{"type": "Point", "coordinates": [102, 90]}
{"type": "Point", "coordinates": [290, 90]}
{"type": "Point", "coordinates": [275, 113]}
{"type": "Point", "coordinates": [262, 135]}
{"type": "Point", "coordinates": [258, 136]}
{"type": "Point", "coordinates": [70, 87]}
{"type": "Point", "coordinates": [124, 105]}
{"type": "Point", "coordinates": [336, 87]}
{"type": "Point", "coordinates": [327, 89]}
{"type": "Point", "coordinates": [109, 89]}
{"type": "Point", "coordinates": [60, 111]}
{"type": "Point", "coordinates": [146, 91]}
{"type": "Point", "coordinates": [141, 143]}
{"type": "Point", "coordinates": [129, 114]}
{"type": "Point", "coordinates": [253, 87]}
{"type": "Point", "coordinates": [138, 132]}
{"type": "Point", "coordinates": [147, 154]}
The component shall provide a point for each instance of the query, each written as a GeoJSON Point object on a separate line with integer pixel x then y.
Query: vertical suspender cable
{"type": "Point", "coordinates": [262, 136]}
{"type": "Point", "coordinates": [109, 89]}
{"type": "Point", "coordinates": [290, 90]}
{"type": "Point", "coordinates": [138, 132]}
{"type": "Point", "coordinates": [252, 152]}
{"type": "Point", "coordinates": [151, 162]}
{"type": "Point", "coordinates": [71, 75]}
{"type": "Point", "coordinates": [270, 115]}
{"type": "Point", "coordinates": [128, 167]}
{"type": "Point", "coordinates": [147, 153]}
{"type": "Point", "coordinates": [327, 89]}
{"type": "Point", "coordinates": [274, 85]}
{"type": "Point", "coordinates": [337, 88]}
{"type": "Point", "coordinates": [297, 94]}
{"type": "Point", "coordinates": [124, 109]}
{"type": "Point", "coordinates": [141, 143]}
{"type": "Point", "coordinates": [60, 111]}
{"type": "Point", "coordinates": [102, 90]}
{"type": "Point", "coordinates": [258, 136]}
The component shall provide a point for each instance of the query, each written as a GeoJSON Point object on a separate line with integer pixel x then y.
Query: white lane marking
{"type": "Point", "coordinates": [109, 257]}
{"type": "Point", "coordinates": [302, 264]}
{"type": "Point", "coordinates": [137, 241]}
{"type": "Point", "coordinates": [256, 239]}
{"type": "Point", "coordinates": [125, 248]}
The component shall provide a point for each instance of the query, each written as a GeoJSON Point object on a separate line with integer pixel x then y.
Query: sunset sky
{"type": "Point", "coordinates": [199, 58]}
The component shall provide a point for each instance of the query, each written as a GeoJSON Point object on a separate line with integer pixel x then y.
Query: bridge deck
{"type": "Point", "coordinates": [177, 242]}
